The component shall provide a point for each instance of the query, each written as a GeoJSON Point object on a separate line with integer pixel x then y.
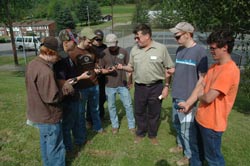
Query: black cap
{"type": "Point", "coordinates": [51, 43]}
{"type": "Point", "coordinates": [99, 33]}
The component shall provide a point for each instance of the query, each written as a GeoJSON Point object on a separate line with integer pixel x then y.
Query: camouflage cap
{"type": "Point", "coordinates": [67, 35]}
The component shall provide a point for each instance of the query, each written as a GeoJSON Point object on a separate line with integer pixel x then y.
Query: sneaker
{"type": "Point", "coordinates": [114, 130]}
{"type": "Point", "coordinates": [177, 149]}
{"type": "Point", "coordinates": [154, 141]}
{"type": "Point", "coordinates": [183, 161]}
{"type": "Point", "coordinates": [132, 130]}
{"type": "Point", "coordinates": [138, 139]}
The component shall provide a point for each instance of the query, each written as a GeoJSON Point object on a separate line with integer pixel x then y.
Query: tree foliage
{"type": "Point", "coordinates": [212, 14]}
{"type": "Point", "coordinates": [65, 20]}
{"type": "Point", "coordinates": [11, 11]}
{"type": "Point", "coordinates": [88, 10]}
{"type": "Point", "coordinates": [141, 12]}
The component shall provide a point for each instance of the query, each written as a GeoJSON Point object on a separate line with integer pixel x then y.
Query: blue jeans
{"type": "Point", "coordinates": [91, 96]}
{"type": "Point", "coordinates": [51, 144]}
{"type": "Point", "coordinates": [127, 103]}
{"type": "Point", "coordinates": [73, 122]}
{"type": "Point", "coordinates": [183, 129]}
{"type": "Point", "coordinates": [206, 145]}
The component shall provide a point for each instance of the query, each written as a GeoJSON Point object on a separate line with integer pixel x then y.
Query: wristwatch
{"type": "Point", "coordinates": [167, 85]}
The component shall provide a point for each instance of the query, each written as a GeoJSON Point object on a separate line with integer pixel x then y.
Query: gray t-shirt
{"type": "Point", "coordinates": [189, 63]}
{"type": "Point", "coordinates": [118, 77]}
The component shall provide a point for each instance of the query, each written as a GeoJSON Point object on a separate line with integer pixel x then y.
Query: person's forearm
{"type": "Point", "coordinates": [130, 78]}
{"type": "Point", "coordinates": [194, 96]}
{"type": "Point", "coordinates": [127, 68]}
{"type": "Point", "coordinates": [168, 74]}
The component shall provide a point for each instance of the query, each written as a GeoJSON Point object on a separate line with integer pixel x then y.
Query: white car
{"type": "Point", "coordinates": [27, 42]}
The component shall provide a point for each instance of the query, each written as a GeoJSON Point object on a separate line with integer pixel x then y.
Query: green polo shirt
{"type": "Point", "coordinates": [149, 65]}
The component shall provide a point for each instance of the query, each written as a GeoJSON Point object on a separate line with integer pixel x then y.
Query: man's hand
{"type": "Point", "coordinates": [184, 107]}
{"type": "Point", "coordinates": [98, 71]}
{"type": "Point", "coordinates": [67, 88]}
{"type": "Point", "coordinates": [119, 66]}
{"type": "Point", "coordinates": [83, 76]}
{"type": "Point", "coordinates": [164, 93]}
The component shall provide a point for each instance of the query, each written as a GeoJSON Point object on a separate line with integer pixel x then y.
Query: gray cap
{"type": "Point", "coordinates": [182, 27]}
{"type": "Point", "coordinates": [111, 40]}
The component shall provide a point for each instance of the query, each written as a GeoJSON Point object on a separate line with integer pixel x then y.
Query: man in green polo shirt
{"type": "Point", "coordinates": [151, 64]}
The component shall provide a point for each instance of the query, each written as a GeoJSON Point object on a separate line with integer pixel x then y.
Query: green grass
{"type": "Point", "coordinates": [121, 14]}
{"type": "Point", "coordinates": [9, 60]}
{"type": "Point", "coordinates": [19, 143]}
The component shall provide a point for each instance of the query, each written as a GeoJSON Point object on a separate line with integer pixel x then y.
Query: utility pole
{"type": "Point", "coordinates": [112, 14]}
{"type": "Point", "coordinates": [88, 15]}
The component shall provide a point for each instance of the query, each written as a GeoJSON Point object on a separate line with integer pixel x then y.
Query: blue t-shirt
{"type": "Point", "coordinates": [188, 64]}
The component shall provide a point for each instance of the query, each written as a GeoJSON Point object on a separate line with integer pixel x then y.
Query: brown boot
{"type": "Point", "coordinates": [183, 161]}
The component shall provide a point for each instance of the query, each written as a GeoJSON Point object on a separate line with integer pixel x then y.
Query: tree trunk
{"type": "Point", "coordinates": [13, 45]}
{"type": "Point", "coordinates": [9, 24]}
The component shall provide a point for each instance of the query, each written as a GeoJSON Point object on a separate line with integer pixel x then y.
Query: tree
{"type": "Point", "coordinates": [168, 16]}
{"type": "Point", "coordinates": [141, 13]}
{"type": "Point", "coordinates": [65, 20]}
{"type": "Point", "coordinates": [212, 14]}
{"type": "Point", "coordinates": [88, 11]}
{"type": "Point", "coordinates": [11, 11]}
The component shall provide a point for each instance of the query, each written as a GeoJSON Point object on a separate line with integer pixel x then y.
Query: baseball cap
{"type": "Point", "coordinates": [111, 40]}
{"type": "Point", "coordinates": [87, 32]}
{"type": "Point", "coordinates": [51, 43]}
{"type": "Point", "coordinates": [182, 26]}
{"type": "Point", "coordinates": [99, 33]}
{"type": "Point", "coordinates": [66, 35]}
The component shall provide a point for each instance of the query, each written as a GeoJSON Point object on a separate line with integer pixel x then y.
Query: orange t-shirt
{"type": "Point", "coordinates": [224, 78]}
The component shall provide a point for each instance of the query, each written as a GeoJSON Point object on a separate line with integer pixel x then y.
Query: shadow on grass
{"type": "Point", "coordinates": [242, 103]}
{"type": "Point", "coordinates": [162, 162]}
{"type": "Point", "coordinates": [166, 115]}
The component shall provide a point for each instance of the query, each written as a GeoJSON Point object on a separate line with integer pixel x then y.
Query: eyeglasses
{"type": "Point", "coordinates": [137, 38]}
{"type": "Point", "coordinates": [213, 48]}
{"type": "Point", "coordinates": [97, 39]}
{"type": "Point", "coordinates": [179, 36]}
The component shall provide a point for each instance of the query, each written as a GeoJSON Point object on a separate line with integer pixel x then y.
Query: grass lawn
{"type": "Point", "coordinates": [19, 143]}
{"type": "Point", "coordinates": [121, 14]}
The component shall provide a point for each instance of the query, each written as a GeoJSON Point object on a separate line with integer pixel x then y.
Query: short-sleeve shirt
{"type": "Point", "coordinates": [189, 63]}
{"type": "Point", "coordinates": [150, 65]}
{"type": "Point", "coordinates": [67, 68]}
{"type": "Point", "coordinates": [109, 59]}
{"type": "Point", "coordinates": [224, 78]}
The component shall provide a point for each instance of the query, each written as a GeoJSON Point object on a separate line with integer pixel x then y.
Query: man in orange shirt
{"type": "Point", "coordinates": [216, 93]}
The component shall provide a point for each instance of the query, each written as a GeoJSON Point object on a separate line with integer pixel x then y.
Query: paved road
{"type": "Point", "coordinates": [6, 50]}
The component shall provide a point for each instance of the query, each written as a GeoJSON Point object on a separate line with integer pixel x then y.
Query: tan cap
{"type": "Point", "coordinates": [87, 32]}
{"type": "Point", "coordinates": [182, 27]}
{"type": "Point", "coordinates": [111, 40]}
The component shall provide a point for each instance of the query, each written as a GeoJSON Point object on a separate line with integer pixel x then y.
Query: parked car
{"type": "Point", "coordinates": [27, 42]}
